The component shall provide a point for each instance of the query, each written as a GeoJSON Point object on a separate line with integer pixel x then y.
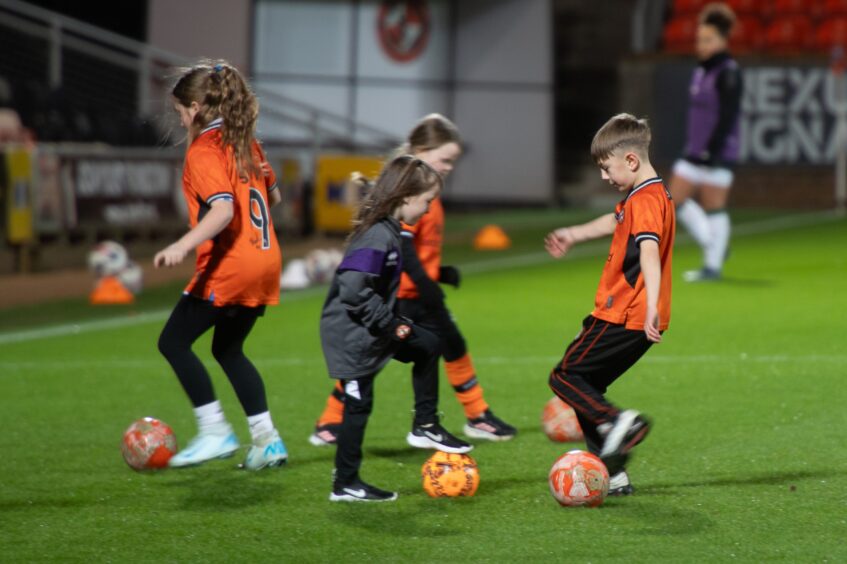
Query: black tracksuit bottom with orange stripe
{"type": "Point", "coordinates": [598, 356]}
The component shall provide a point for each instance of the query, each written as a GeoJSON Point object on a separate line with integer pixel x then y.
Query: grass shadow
{"type": "Point", "coordinates": [406, 454]}
{"type": "Point", "coordinates": [394, 520]}
{"type": "Point", "coordinates": [658, 519]}
{"type": "Point", "coordinates": [36, 504]}
{"type": "Point", "coordinates": [222, 492]}
{"type": "Point", "coordinates": [747, 282]}
{"type": "Point", "coordinates": [771, 479]}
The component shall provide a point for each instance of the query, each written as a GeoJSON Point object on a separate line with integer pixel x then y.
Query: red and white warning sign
{"type": "Point", "coordinates": [403, 28]}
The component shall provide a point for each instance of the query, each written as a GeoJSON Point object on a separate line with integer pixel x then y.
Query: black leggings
{"type": "Point", "coordinates": [423, 350]}
{"type": "Point", "coordinates": [439, 321]}
{"type": "Point", "coordinates": [189, 320]}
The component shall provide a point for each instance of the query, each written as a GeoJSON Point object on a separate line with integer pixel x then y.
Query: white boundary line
{"type": "Point", "coordinates": [476, 267]}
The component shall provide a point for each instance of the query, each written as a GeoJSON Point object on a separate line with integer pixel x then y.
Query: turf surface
{"type": "Point", "coordinates": [747, 460]}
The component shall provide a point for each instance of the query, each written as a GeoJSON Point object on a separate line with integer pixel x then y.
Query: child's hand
{"type": "Point", "coordinates": [559, 242]}
{"type": "Point", "coordinates": [169, 256]}
{"type": "Point", "coordinates": [651, 326]}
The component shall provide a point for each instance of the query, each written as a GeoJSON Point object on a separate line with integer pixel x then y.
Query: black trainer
{"type": "Point", "coordinates": [360, 491]}
{"type": "Point", "coordinates": [628, 430]}
{"type": "Point", "coordinates": [489, 427]}
{"type": "Point", "coordinates": [325, 435]}
{"type": "Point", "coordinates": [433, 435]}
{"type": "Point", "coordinates": [619, 484]}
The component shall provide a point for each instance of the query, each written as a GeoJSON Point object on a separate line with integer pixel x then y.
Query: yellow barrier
{"type": "Point", "coordinates": [19, 224]}
{"type": "Point", "coordinates": [335, 201]}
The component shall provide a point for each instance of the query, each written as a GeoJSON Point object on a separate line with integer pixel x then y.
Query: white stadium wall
{"type": "Point", "coordinates": [202, 28]}
{"type": "Point", "coordinates": [504, 100]}
{"type": "Point", "coordinates": [487, 64]}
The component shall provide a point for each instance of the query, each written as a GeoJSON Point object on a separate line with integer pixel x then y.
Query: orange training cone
{"type": "Point", "coordinates": [109, 290]}
{"type": "Point", "coordinates": [491, 238]}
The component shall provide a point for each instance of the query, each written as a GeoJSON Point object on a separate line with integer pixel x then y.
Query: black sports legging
{"type": "Point", "coordinates": [423, 349]}
{"type": "Point", "coordinates": [189, 320]}
{"type": "Point", "coordinates": [439, 321]}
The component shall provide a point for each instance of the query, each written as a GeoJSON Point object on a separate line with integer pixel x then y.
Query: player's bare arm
{"type": "Point", "coordinates": [274, 197]}
{"type": "Point", "coordinates": [651, 269]}
{"type": "Point", "coordinates": [212, 223]}
{"type": "Point", "coordinates": [560, 241]}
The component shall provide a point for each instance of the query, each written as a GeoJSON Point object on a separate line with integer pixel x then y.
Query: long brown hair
{"type": "Point", "coordinates": [401, 178]}
{"type": "Point", "coordinates": [221, 92]}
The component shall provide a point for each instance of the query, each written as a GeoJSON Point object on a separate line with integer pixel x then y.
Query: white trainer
{"type": "Point", "coordinates": [267, 451]}
{"type": "Point", "coordinates": [204, 447]}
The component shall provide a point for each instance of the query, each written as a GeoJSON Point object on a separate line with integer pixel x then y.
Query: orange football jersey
{"type": "Point", "coordinates": [241, 265]}
{"type": "Point", "coordinates": [429, 238]}
{"type": "Point", "coordinates": [647, 212]}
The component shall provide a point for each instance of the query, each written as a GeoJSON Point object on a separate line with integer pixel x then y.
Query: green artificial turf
{"type": "Point", "coordinates": [746, 462]}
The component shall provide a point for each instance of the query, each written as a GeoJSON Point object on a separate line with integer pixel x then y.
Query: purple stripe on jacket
{"type": "Point", "coordinates": [364, 260]}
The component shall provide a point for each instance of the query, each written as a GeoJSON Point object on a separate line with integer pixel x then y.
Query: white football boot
{"type": "Point", "coordinates": [207, 446]}
{"type": "Point", "coordinates": [265, 452]}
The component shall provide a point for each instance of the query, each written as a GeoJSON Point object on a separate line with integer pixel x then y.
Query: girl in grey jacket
{"type": "Point", "coordinates": [360, 331]}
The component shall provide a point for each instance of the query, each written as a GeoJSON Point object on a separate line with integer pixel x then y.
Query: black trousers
{"type": "Point", "coordinates": [190, 319]}
{"type": "Point", "coordinates": [440, 322]}
{"type": "Point", "coordinates": [598, 356]}
{"type": "Point", "coordinates": [423, 349]}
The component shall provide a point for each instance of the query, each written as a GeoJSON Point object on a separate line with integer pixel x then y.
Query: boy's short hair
{"type": "Point", "coordinates": [623, 131]}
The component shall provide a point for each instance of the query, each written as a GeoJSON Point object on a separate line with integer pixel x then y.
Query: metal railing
{"type": "Point", "coordinates": [152, 65]}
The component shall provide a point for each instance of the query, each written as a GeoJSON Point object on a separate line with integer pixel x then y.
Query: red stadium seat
{"type": "Point", "coordinates": [750, 8]}
{"type": "Point", "coordinates": [831, 33]}
{"type": "Point", "coordinates": [808, 8]}
{"type": "Point", "coordinates": [679, 34]}
{"type": "Point", "coordinates": [834, 8]}
{"type": "Point", "coordinates": [789, 34]}
{"type": "Point", "coordinates": [748, 35]}
{"type": "Point", "coordinates": [688, 7]}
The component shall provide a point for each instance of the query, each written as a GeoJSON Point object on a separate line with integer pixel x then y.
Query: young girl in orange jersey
{"type": "Point", "coordinates": [229, 187]}
{"type": "Point", "coordinates": [436, 141]}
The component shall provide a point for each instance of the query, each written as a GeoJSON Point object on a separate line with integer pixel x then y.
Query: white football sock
{"type": "Point", "coordinates": [210, 418]}
{"type": "Point", "coordinates": [716, 249]}
{"type": "Point", "coordinates": [695, 221]}
{"type": "Point", "coordinates": [260, 424]}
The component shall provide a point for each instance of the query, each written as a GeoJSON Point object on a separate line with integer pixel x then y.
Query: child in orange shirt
{"type": "Point", "coordinates": [632, 305]}
{"type": "Point", "coordinates": [229, 187]}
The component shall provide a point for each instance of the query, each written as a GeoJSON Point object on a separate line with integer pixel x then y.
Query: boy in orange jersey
{"type": "Point", "coordinates": [632, 305]}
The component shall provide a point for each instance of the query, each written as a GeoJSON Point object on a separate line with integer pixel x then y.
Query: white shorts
{"type": "Point", "coordinates": [716, 176]}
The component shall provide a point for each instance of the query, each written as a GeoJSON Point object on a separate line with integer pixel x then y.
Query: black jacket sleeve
{"type": "Point", "coordinates": [431, 294]}
{"type": "Point", "coordinates": [729, 85]}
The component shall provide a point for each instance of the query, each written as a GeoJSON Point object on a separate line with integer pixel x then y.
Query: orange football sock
{"type": "Point", "coordinates": [462, 377]}
{"type": "Point", "coordinates": [333, 413]}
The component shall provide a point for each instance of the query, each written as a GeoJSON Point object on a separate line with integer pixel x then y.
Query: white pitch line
{"type": "Point", "coordinates": [595, 248]}
{"type": "Point", "coordinates": [476, 267]}
{"type": "Point", "coordinates": [156, 316]}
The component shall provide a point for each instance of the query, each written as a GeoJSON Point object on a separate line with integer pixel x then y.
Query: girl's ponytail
{"type": "Point", "coordinates": [222, 92]}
